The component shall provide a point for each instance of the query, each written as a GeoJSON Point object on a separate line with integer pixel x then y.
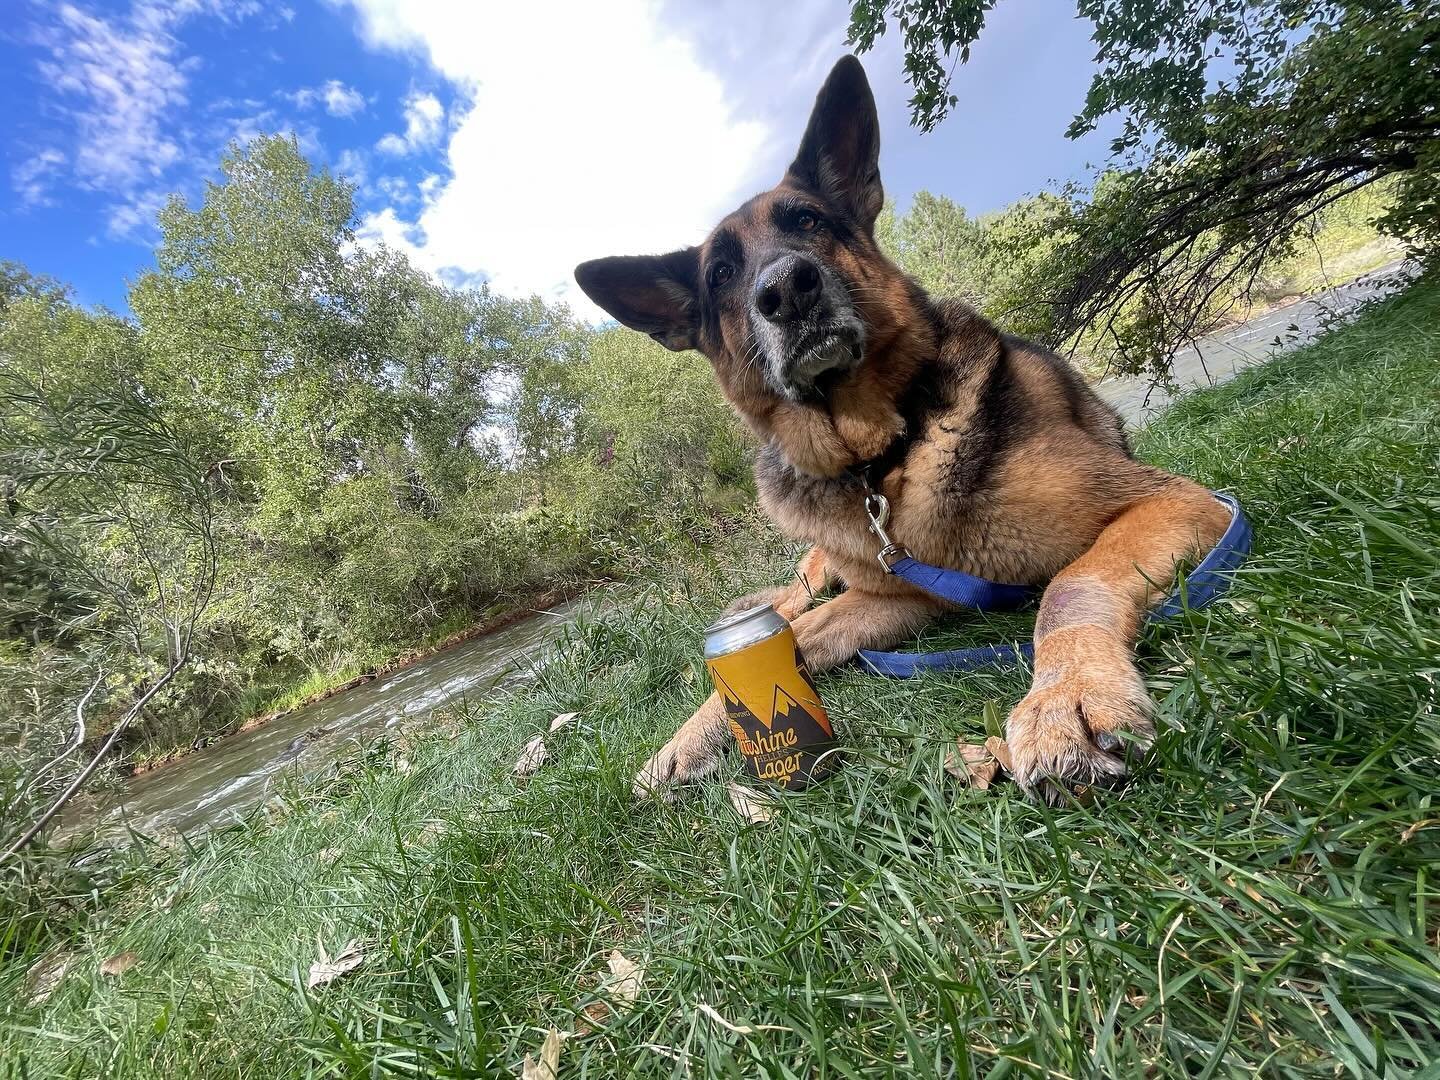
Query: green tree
{"type": "Point", "coordinates": [106, 547]}
{"type": "Point", "coordinates": [1240, 120]}
{"type": "Point", "coordinates": [943, 247]}
{"type": "Point", "coordinates": [997, 263]}
{"type": "Point", "coordinates": [385, 457]}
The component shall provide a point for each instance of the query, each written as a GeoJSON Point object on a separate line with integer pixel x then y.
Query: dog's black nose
{"type": "Point", "coordinates": [787, 288]}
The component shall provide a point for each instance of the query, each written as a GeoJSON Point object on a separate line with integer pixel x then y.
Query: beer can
{"type": "Point", "coordinates": [774, 712]}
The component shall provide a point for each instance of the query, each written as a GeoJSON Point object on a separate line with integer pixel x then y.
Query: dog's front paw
{"type": "Point", "coordinates": [682, 760]}
{"type": "Point", "coordinates": [1078, 729]}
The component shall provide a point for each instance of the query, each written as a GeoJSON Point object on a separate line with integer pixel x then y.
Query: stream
{"type": "Point", "coordinates": [221, 783]}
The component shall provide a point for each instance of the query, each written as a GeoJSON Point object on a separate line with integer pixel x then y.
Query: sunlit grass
{"type": "Point", "coordinates": [1261, 899]}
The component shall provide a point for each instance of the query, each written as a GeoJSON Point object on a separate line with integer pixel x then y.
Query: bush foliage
{"type": "Point", "coordinates": [384, 456]}
{"type": "Point", "coordinates": [1238, 122]}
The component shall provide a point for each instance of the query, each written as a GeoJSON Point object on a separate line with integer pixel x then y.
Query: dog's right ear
{"type": "Point", "coordinates": [655, 294]}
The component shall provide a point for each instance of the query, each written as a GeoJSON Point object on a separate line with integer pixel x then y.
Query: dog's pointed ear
{"type": "Point", "coordinates": [839, 156]}
{"type": "Point", "coordinates": [655, 294]}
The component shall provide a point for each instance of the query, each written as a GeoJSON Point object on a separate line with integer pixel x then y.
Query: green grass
{"type": "Point", "coordinates": [1261, 899]}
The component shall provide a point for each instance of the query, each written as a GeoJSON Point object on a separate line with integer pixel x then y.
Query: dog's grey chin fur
{"type": "Point", "coordinates": [837, 352]}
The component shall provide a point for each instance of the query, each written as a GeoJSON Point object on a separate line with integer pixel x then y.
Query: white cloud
{"type": "Point", "coordinates": [135, 218]}
{"type": "Point", "coordinates": [128, 83]}
{"type": "Point", "coordinates": [386, 228]}
{"type": "Point", "coordinates": [31, 178]}
{"type": "Point", "coordinates": [352, 165]}
{"type": "Point", "coordinates": [342, 100]}
{"type": "Point", "coordinates": [124, 84]}
{"type": "Point", "coordinates": [246, 129]}
{"type": "Point", "coordinates": [396, 189]}
{"type": "Point", "coordinates": [424, 123]}
{"type": "Point", "coordinates": [615, 137]}
{"type": "Point", "coordinates": [338, 99]}
{"type": "Point", "coordinates": [392, 144]}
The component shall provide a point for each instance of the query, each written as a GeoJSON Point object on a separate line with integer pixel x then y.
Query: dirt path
{"type": "Point", "coordinates": [1222, 356]}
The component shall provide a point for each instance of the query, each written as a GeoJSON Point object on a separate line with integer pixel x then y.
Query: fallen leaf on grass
{"type": "Point", "coordinates": [625, 987]}
{"type": "Point", "coordinates": [621, 988]}
{"type": "Point", "coordinates": [978, 766]}
{"type": "Point", "coordinates": [548, 1067]}
{"type": "Point", "coordinates": [592, 1018]}
{"type": "Point", "coordinates": [751, 805]}
{"type": "Point", "coordinates": [535, 753]}
{"type": "Point", "coordinates": [325, 970]}
{"type": "Point", "coordinates": [1411, 830]}
{"type": "Point", "coordinates": [118, 964]}
{"type": "Point", "coordinates": [44, 975]}
{"type": "Point", "coordinates": [531, 758]}
{"type": "Point", "coordinates": [738, 1029]}
{"type": "Point", "coordinates": [1000, 752]}
{"type": "Point", "coordinates": [973, 765]}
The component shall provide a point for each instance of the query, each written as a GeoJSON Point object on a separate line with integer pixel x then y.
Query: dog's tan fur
{"type": "Point", "coordinates": [1012, 469]}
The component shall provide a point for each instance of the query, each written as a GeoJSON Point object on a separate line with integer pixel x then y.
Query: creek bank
{"type": "Point", "coordinates": [408, 658]}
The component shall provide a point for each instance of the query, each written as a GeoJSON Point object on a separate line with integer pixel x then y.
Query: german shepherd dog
{"type": "Point", "coordinates": [997, 459]}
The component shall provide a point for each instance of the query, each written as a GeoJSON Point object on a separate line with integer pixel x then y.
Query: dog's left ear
{"type": "Point", "coordinates": [840, 154]}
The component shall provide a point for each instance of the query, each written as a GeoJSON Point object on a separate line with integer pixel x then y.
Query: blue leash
{"type": "Point", "coordinates": [1202, 585]}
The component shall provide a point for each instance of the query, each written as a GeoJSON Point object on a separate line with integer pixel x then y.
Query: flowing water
{"type": "Point", "coordinates": [230, 777]}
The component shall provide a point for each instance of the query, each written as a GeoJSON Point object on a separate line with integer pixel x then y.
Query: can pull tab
{"type": "Point", "coordinates": [877, 509]}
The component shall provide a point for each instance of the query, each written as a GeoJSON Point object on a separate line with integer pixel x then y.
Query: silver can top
{"type": "Point", "coordinates": [740, 629]}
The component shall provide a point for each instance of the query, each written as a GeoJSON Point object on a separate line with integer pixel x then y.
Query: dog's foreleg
{"type": "Point", "coordinates": [828, 636]}
{"type": "Point", "coordinates": [812, 577]}
{"type": "Point", "coordinates": [1088, 706]}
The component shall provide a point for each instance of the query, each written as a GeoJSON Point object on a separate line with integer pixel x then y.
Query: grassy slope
{"type": "Point", "coordinates": [1262, 897]}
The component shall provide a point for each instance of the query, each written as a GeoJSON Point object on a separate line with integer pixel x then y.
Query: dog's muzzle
{"type": "Point", "coordinates": [805, 324]}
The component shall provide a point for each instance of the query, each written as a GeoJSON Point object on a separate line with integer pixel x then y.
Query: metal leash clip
{"type": "Point", "coordinates": [877, 509]}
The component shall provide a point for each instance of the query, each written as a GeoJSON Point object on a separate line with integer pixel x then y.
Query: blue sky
{"type": "Point", "coordinates": [489, 144]}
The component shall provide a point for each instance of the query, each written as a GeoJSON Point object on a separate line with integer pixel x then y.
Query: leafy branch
{"type": "Point", "coordinates": [103, 496]}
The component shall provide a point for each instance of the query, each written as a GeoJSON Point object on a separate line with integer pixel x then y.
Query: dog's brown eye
{"type": "Point", "coordinates": [720, 274]}
{"type": "Point", "coordinates": [806, 221]}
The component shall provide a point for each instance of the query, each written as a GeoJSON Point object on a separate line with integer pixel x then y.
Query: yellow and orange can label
{"type": "Point", "coordinates": [774, 712]}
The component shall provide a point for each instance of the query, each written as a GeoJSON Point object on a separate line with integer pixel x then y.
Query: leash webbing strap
{"type": "Point", "coordinates": [1208, 580]}
{"type": "Point", "coordinates": [964, 589]}
{"type": "Point", "coordinates": [902, 665]}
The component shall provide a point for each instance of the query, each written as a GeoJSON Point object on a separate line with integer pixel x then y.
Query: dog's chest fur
{"type": "Point", "coordinates": [1009, 469]}
{"type": "Point", "coordinates": [941, 521]}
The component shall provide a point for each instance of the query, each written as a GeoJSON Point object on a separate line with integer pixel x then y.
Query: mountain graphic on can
{"type": "Point", "coordinates": [774, 711]}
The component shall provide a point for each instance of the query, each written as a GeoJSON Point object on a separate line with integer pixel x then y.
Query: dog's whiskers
{"type": "Point", "coordinates": [868, 290]}
{"type": "Point", "coordinates": [752, 355]}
